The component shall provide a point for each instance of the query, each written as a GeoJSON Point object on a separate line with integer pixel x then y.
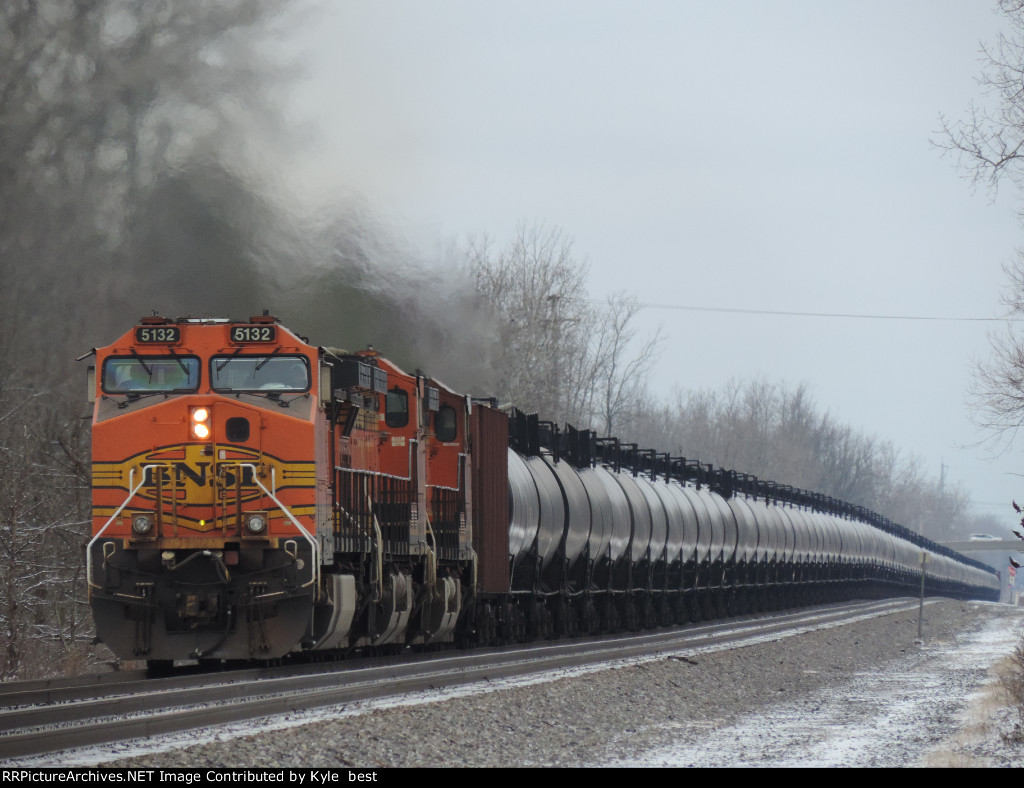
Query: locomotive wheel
{"type": "Point", "coordinates": [731, 603]}
{"type": "Point", "coordinates": [748, 600]}
{"type": "Point", "coordinates": [547, 621]}
{"type": "Point", "coordinates": [490, 625]}
{"type": "Point", "coordinates": [504, 631]}
{"type": "Point", "coordinates": [590, 621]}
{"type": "Point", "coordinates": [520, 625]}
{"type": "Point", "coordinates": [678, 608]}
{"type": "Point", "coordinates": [650, 619]}
{"type": "Point", "coordinates": [561, 624]}
{"type": "Point", "coordinates": [535, 620]}
{"type": "Point", "coordinates": [472, 629]}
{"type": "Point", "coordinates": [610, 621]}
{"type": "Point", "coordinates": [159, 667]}
{"type": "Point", "coordinates": [665, 612]}
{"type": "Point", "coordinates": [632, 615]}
{"type": "Point", "coordinates": [577, 620]}
{"type": "Point", "coordinates": [692, 605]}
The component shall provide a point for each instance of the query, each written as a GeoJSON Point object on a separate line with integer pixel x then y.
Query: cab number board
{"type": "Point", "coordinates": [253, 334]}
{"type": "Point", "coordinates": [161, 335]}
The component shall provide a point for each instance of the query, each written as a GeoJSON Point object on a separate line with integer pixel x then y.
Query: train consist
{"type": "Point", "coordinates": [256, 496]}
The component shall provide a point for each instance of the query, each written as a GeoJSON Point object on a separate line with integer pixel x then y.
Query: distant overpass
{"type": "Point", "coordinates": [987, 545]}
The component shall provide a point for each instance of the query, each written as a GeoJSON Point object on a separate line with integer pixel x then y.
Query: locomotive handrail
{"type": "Point", "coordinates": [117, 511]}
{"type": "Point", "coordinates": [381, 474]}
{"type": "Point", "coordinates": [315, 579]}
{"type": "Point", "coordinates": [378, 591]}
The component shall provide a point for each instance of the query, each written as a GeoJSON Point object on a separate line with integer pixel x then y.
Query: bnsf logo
{"type": "Point", "coordinates": [193, 477]}
{"type": "Point", "coordinates": [198, 475]}
{"type": "Point", "coordinates": [198, 490]}
{"type": "Point", "coordinates": [198, 480]}
{"type": "Point", "coordinates": [199, 487]}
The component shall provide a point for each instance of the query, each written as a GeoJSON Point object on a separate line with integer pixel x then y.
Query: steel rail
{"type": "Point", "coordinates": [159, 707]}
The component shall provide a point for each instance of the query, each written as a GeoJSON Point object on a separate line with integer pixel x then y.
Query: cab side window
{"type": "Point", "coordinates": [396, 411]}
{"type": "Point", "coordinates": [445, 426]}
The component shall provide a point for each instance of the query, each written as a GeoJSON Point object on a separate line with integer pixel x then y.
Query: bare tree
{"type": "Point", "coordinates": [620, 364]}
{"type": "Point", "coordinates": [996, 392]}
{"type": "Point", "coordinates": [44, 485]}
{"type": "Point", "coordinates": [988, 146]}
{"type": "Point", "coordinates": [102, 103]}
{"type": "Point", "coordinates": [98, 101]}
{"type": "Point", "coordinates": [537, 289]}
{"type": "Point", "coordinates": [776, 432]}
{"type": "Point", "coordinates": [562, 356]}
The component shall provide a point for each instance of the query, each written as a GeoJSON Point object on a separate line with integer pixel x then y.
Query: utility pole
{"type": "Point", "coordinates": [920, 610]}
{"type": "Point", "coordinates": [556, 355]}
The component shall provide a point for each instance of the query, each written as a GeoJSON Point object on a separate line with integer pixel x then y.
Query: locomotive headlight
{"type": "Point", "coordinates": [141, 524]}
{"type": "Point", "coordinates": [256, 523]}
{"type": "Point", "coordinates": [201, 423]}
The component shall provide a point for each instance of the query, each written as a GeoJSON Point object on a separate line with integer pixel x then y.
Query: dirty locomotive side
{"type": "Point", "coordinates": [256, 496]}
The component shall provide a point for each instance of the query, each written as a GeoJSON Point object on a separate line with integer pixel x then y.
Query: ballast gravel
{"type": "Point", "coordinates": [862, 694]}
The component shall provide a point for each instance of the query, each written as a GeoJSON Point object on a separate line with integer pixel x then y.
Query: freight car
{"type": "Point", "coordinates": [256, 496]}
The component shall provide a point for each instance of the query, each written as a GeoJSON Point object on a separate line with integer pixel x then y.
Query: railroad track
{"type": "Point", "coordinates": [54, 716]}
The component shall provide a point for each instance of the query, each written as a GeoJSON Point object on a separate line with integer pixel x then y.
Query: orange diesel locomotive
{"type": "Point", "coordinates": [255, 495]}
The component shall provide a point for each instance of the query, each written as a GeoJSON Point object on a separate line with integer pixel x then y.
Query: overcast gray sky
{"type": "Point", "coordinates": [768, 155]}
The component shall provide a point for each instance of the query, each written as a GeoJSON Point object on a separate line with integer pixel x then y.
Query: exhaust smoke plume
{"type": "Point", "coordinates": [141, 171]}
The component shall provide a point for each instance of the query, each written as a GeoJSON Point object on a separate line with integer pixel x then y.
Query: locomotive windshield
{"type": "Point", "coordinates": [268, 373]}
{"type": "Point", "coordinates": [151, 374]}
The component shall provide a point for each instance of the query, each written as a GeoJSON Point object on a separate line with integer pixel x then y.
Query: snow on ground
{"type": "Point", "coordinates": [896, 718]}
